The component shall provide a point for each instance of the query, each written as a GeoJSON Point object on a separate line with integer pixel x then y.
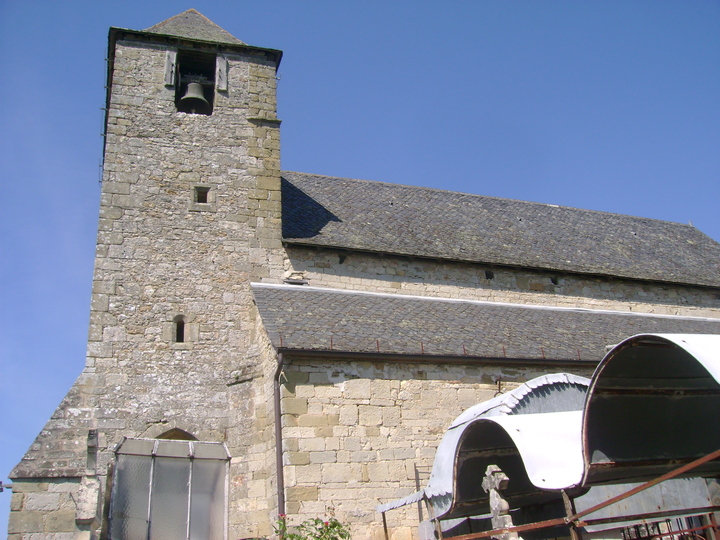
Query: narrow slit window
{"type": "Point", "coordinates": [179, 329]}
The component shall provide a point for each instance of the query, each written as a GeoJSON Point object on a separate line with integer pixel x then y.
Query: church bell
{"type": "Point", "coordinates": [194, 100]}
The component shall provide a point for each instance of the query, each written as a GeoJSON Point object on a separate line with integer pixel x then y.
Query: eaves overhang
{"type": "Point", "coordinates": [310, 320]}
{"type": "Point", "coordinates": [116, 34]}
{"type": "Point", "coordinates": [291, 353]}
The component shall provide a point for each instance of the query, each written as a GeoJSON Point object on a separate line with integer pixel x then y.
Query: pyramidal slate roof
{"type": "Point", "coordinates": [317, 319]}
{"type": "Point", "coordinates": [193, 25]}
{"type": "Point", "coordinates": [423, 222]}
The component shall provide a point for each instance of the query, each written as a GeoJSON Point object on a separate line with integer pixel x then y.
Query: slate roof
{"type": "Point", "coordinates": [193, 25]}
{"type": "Point", "coordinates": [315, 319]}
{"type": "Point", "coordinates": [422, 222]}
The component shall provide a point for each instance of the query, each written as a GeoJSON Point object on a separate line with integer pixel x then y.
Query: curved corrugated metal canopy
{"type": "Point", "coordinates": [540, 453]}
{"type": "Point", "coordinates": [532, 433]}
{"type": "Point", "coordinates": [653, 404]}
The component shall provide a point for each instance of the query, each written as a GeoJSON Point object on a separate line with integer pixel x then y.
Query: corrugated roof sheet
{"type": "Point", "coordinates": [308, 318]}
{"type": "Point", "coordinates": [423, 222]}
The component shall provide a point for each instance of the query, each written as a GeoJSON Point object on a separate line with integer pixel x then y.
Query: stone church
{"type": "Point", "coordinates": [265, 342]}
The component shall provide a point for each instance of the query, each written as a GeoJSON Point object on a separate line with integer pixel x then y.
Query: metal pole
{"type": "Point", "coordinates": [646, 485]}
{"type": "Point", "coordinates": [279, 438]}
{"type": "Point", "coordinates": [431, 516]}
{"type": "Point", "coordinates": [714, 526]}
{"type": "Point", "coordinates": [570, 511]}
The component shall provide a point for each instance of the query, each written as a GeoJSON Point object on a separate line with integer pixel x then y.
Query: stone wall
{"type": "Point", "coordinates": [404, 275]}
{"type": "Point", "coordinates": [43, 509]}
{"type": "Point", "coordinates": [358, 434]}
{"type": "Point", "coordinates": [162, 255]}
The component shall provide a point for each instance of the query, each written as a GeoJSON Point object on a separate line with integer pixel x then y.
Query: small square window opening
{"type": "Point", "coordinates": [201, 195]}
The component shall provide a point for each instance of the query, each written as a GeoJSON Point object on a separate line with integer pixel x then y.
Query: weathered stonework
{"type": "Point", "coordinates": [161, 255]}
{"type": "Point", "coordinates": [357, 434]}
{"type": "Point", "coordinates": [45, 509]}
{"type": "Point", "coordinates": [422, 277]}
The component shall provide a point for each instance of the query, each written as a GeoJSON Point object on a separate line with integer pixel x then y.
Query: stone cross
{"type": "Point", "coordinates": [495, 480]}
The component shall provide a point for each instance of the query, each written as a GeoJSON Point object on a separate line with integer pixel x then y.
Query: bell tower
{"type": "Point", "coordinates": [189, 216]}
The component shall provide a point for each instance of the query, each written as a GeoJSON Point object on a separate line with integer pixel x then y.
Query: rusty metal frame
{"type": "Point", "coordinates": [573, 519]}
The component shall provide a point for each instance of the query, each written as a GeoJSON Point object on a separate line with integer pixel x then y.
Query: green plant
{"type": "Point", "coordinates": [313, 529]}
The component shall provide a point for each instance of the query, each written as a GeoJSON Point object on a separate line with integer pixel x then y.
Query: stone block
{"type": "Point", "coordinates": [308, 474]}
{"type": "Point", "coordinates": [467, 397]}
{"type": "Point", "coordinates": [317, 420]}
{"type": "Point", "coordinates": [363, 456]}
{"type": "Point", "coordinates": [348, 415]}
{"type": "Point", "coordinates": [16, 502]}
{"type": "Point", "coordinates": [370, 416]}
{"type": "Point", "coordinates": [21, 486]}
{"type": "Point", "coordinates": [25, 522]}
{"type": "Point", "coordinates": [328, 392]}
{"type": "Point", "coordinates": [315, 444]}
{"type": "Point", "coordinates": [302, 493]}
{"type": "Point", "coordinates": [323, 457]}
{"type": "Point", "coordinates": [61, 521]}
{"type": "Point", "coordinates": [100, 302]}
{"type": "Point", "coordinates": [324, 431]}
{"type": "Point", "coordinates": [404, 453]}
{"type": "Point", "coordinates": [42, 502]}
{"type": "Point", "coordinates": [371, 431]}
{"type": "Point", "coordinates": [378, 472]}
{"type": "Point", "coordinates": [306, 391]}
{"type": "Point", "coordinates": [294, 406]}
{"type": "Point", "coordinates": [297, 458]}
{"type": "Point", "coordinates": [289, 420]}
{"type": "Point", "coordinates": [269, 183]}
{"type": "Point", "coordinates": [299, 432]}
{"type": "Point", "coordinates": [358, 389]}
{"type": "Point", "coordinates": [391, 416]}
{"type": "Point", "coordinates": [340, 472]}
{"type": "Point", "coordinates": [291, 445]}
{"type": "Point", "coordinates": [352, 444]}
{"type": "Point", "coordinates": [332, 443]}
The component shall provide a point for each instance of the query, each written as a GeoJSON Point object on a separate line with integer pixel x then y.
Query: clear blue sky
{"type": "Point", "coordinates": [607, 105]}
